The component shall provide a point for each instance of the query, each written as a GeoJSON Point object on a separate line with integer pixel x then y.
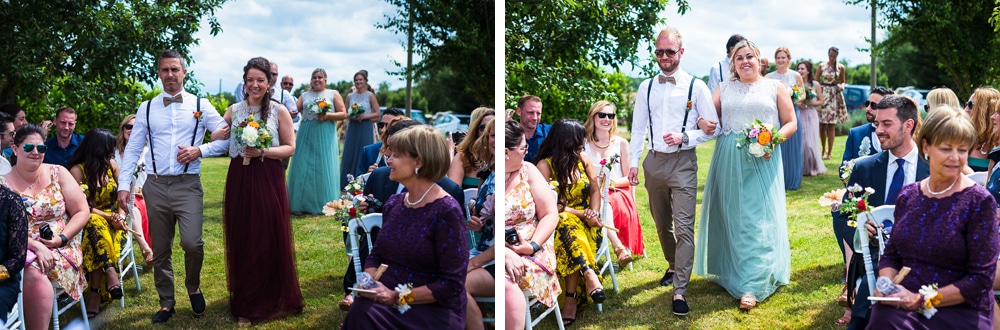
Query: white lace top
{"type": "Point", "coordinates": [788, 78]}
{"type": "Point", "coordinates": [742, 103]}
{"type": "Point", "coordinates": [241, 111]}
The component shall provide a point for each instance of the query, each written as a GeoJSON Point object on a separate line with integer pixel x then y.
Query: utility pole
{"type": "Point", "coordinates": [872, 68]}
{"type": "Point", "coordinates": [409, 60]}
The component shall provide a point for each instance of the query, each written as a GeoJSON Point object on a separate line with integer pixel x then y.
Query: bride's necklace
{"type": "Point", "coordinates": [32, 185]}
{"type": "Point", "coordinates": [600, 146]}
{"type": "Point", "coordinates": [935, 193]}
{"type": "Point", "coordinates": [408, 202]}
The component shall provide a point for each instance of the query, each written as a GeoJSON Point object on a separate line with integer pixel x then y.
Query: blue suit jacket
{"type": "Point", "coordinates": [368, 156]}
{"type": "Point", "coordinates": [871, 172]}
{"type": "Point", "coordinates": [857, 146]}
{"type": "Point", "coordinates": [382, 188]}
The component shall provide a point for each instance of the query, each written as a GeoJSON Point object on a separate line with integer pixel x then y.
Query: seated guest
{"type": "Point", "coordinates": [961, 258]}
{"type": "Point", "coordinates": [13, 244]}
{"type": "Point", "coordinates": [465, 165]}
{"type": "Point", "coordinates": [20, 119]}
{"type": "Point", "coordinates": [422, 244]}
{"type": "Point", "coordinates": [480, 282]}
{"type": "Point", "coordinates": [371, 155]}
{"type": "Point", "coordinates": [983, 103]}
{"type": "Point", "coordinates": [529, 112]}
{"type": "Point", "coordinates": [64, 143]}
{"type": "Point", "coordinates": [6, 135]}
{"type": "Point", "coordinates": [531, 215]}
{"type": "Point", "coordinates": [58, 204]}
{"type": "Point", "coordinates": [578, 234]}
{"type": "Point", "coordinates": [92, 165]}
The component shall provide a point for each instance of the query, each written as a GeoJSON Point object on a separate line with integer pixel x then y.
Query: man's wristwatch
{"type": "Point", "coordinates": [685, 138]}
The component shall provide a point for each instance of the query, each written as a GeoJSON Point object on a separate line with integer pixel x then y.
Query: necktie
{"type": "Point", "coordinates": [665, 79]}
{"type": "Point", "coordinates": [175, 99]}
{"type": "Point", "coordinates": [897, 183]}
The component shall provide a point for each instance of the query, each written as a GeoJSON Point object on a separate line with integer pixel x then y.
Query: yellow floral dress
{"type": "Point", "coordinates": [576, 241]}
{"type": "Point", "coordinates": [539, 278]}
{"type": "Point", "coordinates": [49, 206]}
{"type": "Point", "coordinates": [102, 243]}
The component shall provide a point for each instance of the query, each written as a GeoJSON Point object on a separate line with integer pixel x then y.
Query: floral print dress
{"type": "Point", "coordinates": [102, 243]}
{"type": "Point", "coordinates": [576, 241]}
{"type": "Point", "coordinates": [539, 278]}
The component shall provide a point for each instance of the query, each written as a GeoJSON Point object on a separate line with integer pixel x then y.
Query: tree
{"type": "Point", "coordinates": [558, 50]}
{"type": "Point", "coordinates": [957, 33]}
{"type": "Point", "coordinates": [455, 36]}
{"type": "Point", "coordinates": [94, 56]}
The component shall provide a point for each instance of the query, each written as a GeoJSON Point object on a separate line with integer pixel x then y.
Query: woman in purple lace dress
{"type": "Point", "coordinates": [946, 233]}
{"type": "Point", "coordinates": [423, 243]}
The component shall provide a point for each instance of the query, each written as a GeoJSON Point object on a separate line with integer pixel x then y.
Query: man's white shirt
{"type": "Point", "coordinates": [673, 98]}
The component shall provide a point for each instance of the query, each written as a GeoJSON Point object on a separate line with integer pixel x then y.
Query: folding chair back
{"type": "Point", "coordinates": [366, 223]}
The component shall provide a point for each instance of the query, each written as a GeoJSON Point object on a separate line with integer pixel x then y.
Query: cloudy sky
{"type": "Point", "coordinates": [300, 36]}
{"type": "Point", "coordinates": [807, 27]}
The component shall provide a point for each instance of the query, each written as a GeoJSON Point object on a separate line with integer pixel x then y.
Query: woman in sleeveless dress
{"type": "Point", "coordinates": [465, 164]}
{"type": "Point", "coordinates": [91, 165]}
{"type": "Point", "coordinates": [743, 235]}
{"type": "Point", "coordinates": [791, 149]}
{"type": "Point", "coordinates": [360, 128]}
{"type": "Point", "coordinates": [55, 200]}
{"type": "Point", "coordinates": [982, 104]}
{"type": "Point", "coordinates": [313, 179]}
{"type": "Point", "coordinates": [812, 159]}
{"type": "Point", "coordinates": [531, 213]}
{"type": "Point", "coordinates": [603, 143]}
{"type": "Point", "coordinates": [832, 77]}
{"type": "Point", "coordinates": [260, 252]}
{"type": "Point", "coordinates": [579, 234]}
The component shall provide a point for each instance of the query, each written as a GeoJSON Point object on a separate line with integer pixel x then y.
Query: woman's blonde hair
{"type": "Point", "coordinates": [591, 124]}
{"type": "Point", "coordinates": [985, 101]}
{"type": "Point", "coordinates": [942, 96]}
{"type": "Point", "coordinates": [946, 124]}
{"type": "Point", "coordinates": [120, 140]}
{"type": "Point", "coordinates": [732, 56]}
{"type": "Point", "coordinates": [483, 149]}
{"type": "Point", "coordinates": [469, 159]}
{"type": "Point", "coordinates": [428, 146]}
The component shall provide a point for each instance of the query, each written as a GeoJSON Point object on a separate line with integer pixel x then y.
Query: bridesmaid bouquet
{"type": "Point", "coordinates": [759, 139]}
{"type": "Point", "coordinates": [356, 110]}
{"type": "Point", "coordinates": [796, 93]}
{"type": "Point", "coordinates": [252, 133]}
{"type": "Point", "coordinates": [320, 106]}
{"type": "Point", "coordinates": [810, 93]}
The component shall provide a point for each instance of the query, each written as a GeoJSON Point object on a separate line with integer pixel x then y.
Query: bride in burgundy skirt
{"type": "Point", "coordinates": [260, 251]}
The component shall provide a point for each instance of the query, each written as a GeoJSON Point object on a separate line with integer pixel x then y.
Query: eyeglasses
{"type": "Point", "coordinates": [274, 73]}
{"type": "Point", "coordinates": [604, 115]}
{"type": "Point", "coordinates": [283, 83]}
{"type": "Point", "coordinates": [968, 104]}
{"type": "Point", "coordinates": [381, 125]}
{"type": "Point", "coordinates": [523, 149]}
{"type": "Point", "coordinates": [668, 52]}
{"type": "Point", "coordinates": [482, 127]}
{"type": "Point", "coordinates": [128, 126]}
{"type": "Point", "coordinates": [28, 147]}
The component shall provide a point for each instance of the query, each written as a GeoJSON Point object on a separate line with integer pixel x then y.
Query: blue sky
{"type": "Point", "coordinates": [300, 36]}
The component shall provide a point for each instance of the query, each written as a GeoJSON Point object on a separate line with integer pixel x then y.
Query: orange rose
{"type": "Point", "coordinates": [764, 138]}
{"type": "Point", "coordinates": [197, 114]}
{"type": "Point", "coordinates": [253, 124]}
{"type": "Point", "coordinates": [322, 104]}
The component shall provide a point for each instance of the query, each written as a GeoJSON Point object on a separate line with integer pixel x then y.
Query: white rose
{"type": "Point", "coordinates": [249, 136]}
{"type": "Point", "coordinates": [756, 150]}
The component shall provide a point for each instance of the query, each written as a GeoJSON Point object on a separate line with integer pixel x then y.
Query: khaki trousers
{"type": "Point", "coordinates": [672, 184]}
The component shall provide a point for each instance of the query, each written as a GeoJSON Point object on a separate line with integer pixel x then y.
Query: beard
{"type": "Point", "coordinates": [669, 66]}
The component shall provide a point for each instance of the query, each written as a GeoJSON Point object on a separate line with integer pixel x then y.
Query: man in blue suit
{"type": "Point", "coordinates": [886, 172]}
{"type": "Point", "coordinates": [370, 153]}
{"type": "Point", "coordinates": [861, 140]}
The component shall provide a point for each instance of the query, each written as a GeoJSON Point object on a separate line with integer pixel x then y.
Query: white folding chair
{"type": "Point", "coordinates": [529, 300]}
{"type": "Point", "coordinates": [56, 310]}
{"type": "Point", "coordinates": [15, 319]}
{"type": "Point", "coordinates": [470, 194]}
{"type": "Point", "coordinates": [978, 177]}
{"type": "Point", "coordinates": [486, 301]}
{"type": "Point", "coordinates": [366, 223]}
{"type": "Point", "coordinates": [879, 215]}
{"type": "Point", "coordinates": [126, 260]}
{"type": "Point", "coordinates": [603, 256]}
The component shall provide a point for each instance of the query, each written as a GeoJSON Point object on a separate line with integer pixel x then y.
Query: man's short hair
{"type": "Point", "coordinates": [170, 53]}
{"type": "Point", "coordinates": [673, 33]}
{"type": "Point", "coordinates": [393, 112]}
{"type": "Point", "coordinates": [882, 91]}
{"type": "Point", "coordinates": [906, 108]}
{"type": "Point", "coordinates": [733, 40]}
{"type": "Point", "coordinates": [65, 109]}
{"type": "Point", "coordinates": [526, 99]}
{"type": "Point", "coordinates": [5, 118]}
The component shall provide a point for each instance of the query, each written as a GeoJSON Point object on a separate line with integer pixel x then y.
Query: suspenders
{"type": "Point", "coordinates": [149, 134]}
{"type": "Point", "coordinates": [649, 110]}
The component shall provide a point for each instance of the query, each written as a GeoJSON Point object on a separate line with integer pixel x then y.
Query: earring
{"type": "Point", "coordinates": [416, 171]}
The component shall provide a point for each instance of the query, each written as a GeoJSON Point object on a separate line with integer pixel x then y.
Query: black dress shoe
{"type": "Point", "coordinates": [680, 307]}
{"type": "Point", "coordinates": [162, 316]}
{"type": "Point", "coordinates": [197, 303]}
{"type": "Point", "coordinates": [668, 278]}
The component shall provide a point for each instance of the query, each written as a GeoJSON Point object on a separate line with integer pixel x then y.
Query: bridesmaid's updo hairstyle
{"type": "Point", "coordinates": [946, 124]}
{"type": "Point", "coordinates": [264, 66]}
{"type": "Point", "coordinates": [364, 74]}
{"type": "Point", "coordinates": [563, 146]}
{"type": "Point", "coordinates": [23, 133]}
{"type": "Point", "coordinates": [785, 50]}
{"type": "Point", "coordinates": [428, 146]}
{"type": "Point", "coordinates": [736, 49]}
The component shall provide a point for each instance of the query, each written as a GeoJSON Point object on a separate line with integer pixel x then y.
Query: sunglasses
{"type": "Point", "coordinates": [870, 104]}
{"type": "Point", "coordinates": [286, 84]}
{"type": "Point", "coordinates": [604, 115]}
{"type": "Point", "coordinates": [28, 147]}
{"type": "Point", "coordinates": [968, 104]}
{"type": "Point", "coordinates": [668, 52]}
{"type": "Point", "coordinates": [128, 126]}
{"type": "Point", "coordinates": [482, 127]}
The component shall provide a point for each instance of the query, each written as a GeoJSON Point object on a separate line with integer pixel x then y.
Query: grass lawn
{"type": "Point", "coordinates": [805, 303]}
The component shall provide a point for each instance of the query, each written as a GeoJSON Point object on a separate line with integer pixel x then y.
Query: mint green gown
{"type": "Point", "coordinates": [742, 240]}
{"type": "Point", "coordinates": [314, 172]}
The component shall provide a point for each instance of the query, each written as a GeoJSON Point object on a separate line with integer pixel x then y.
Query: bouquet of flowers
{"type": "Point", "coordinates": [356, 110]}
{"type": "Point", "coordinates": [759, 139]}
{"type": "Point", "coordinates": [355, 186]}
{"type": "Point", "coordinates": [341, 209]}
{"type": "Point", "coordinates": [796, 93]}
{"type": "Point", "coordinates": [252, 133]}
{"type": "Point", "coordinates": [810, 93]}
{"type": "Point", "coordinates": [857, 203]}
{"type": "Point", "coordinates": [607, 165]}
{"type": "Point", "coordinates": [319, 106]}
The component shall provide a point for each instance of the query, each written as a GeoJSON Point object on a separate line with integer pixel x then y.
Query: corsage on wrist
{"type": "Point", "coordinates": [406, 296]}
{"type": "Point", "coordinates": [4, 275]}
{"type": "Point", "coordinates": [931, 299]}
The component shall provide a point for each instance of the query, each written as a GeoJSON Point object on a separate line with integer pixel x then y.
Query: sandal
{"type": "Point", "coordinates": [843, 321]}
{"type": "Point", "coordinates": [597, 295]}
{"type": "Point", "coordinates": [842, 300]}
{"type": "Point", "coordinates": [748, 301]}
{"type": "Point", "coordinates": [624, 256]}
{"type": "Point", "coordinates": [568, 321]}
{"type": "Point", "coordinates": [345, 304]}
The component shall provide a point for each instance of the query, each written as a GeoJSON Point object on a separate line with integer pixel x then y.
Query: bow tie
{"type": "Point", "coordinates": [175, 99]}
{"type": "Point", "coordinates": [664, 79]}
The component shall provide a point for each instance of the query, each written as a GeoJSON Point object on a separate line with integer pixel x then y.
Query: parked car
{"type": "Point", "coordinates": [464, 121]}
{"type": "Point", "coordinates": [918, 95]}
{"type": "Point", "coordinates": [446, 122]}
{"type": "Point", "coordinates": [855, 96]}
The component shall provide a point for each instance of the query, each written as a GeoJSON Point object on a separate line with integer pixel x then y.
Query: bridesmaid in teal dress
{"type": "Point", "coordinates": [742, 241]}
{"type": "Point", "coordinates": [313, 179]}
{"type": "Point", "coordinates": [361, 128]}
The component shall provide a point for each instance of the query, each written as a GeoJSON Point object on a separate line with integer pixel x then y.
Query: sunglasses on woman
{"type": "Point", "coordinates": [128, 126]}
{"type": "Point", "coordinates": [603, 115]}
{"type": "Point", "coordinates": [482, 127]}
{"type": "Point", "coordinates": [28, 147]}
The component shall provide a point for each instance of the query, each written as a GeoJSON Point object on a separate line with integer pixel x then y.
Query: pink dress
{"type": "Point", "coordinates": [539, 278]}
